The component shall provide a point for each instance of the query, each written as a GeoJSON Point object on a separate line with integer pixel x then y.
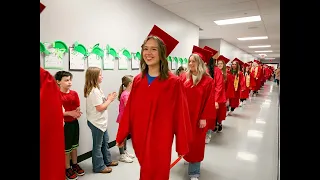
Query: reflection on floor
{"type": "Point", "coordinates": [247, 149]}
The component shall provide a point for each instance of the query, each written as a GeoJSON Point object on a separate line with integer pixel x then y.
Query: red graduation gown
{"type": "Point", "coordinates": [153, 115]}
{"type": "Point", "coordinates": [52, 156]}
{"type": "Point", "coordinates": [232, 94]}
{"type": "Point", "coordinates": [201, 106]}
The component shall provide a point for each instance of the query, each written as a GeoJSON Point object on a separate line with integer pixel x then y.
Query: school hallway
{"type": "Point", "coordinates": [246, 149]}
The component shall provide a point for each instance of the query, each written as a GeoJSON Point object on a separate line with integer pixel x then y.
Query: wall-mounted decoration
{"type": "Point", "coordinates": [43, 49]}
{"type": "Point", "coordinates": [180, 62]}
{"type": "Point", "coordinates": [124, 58]}
{"type": "Point", "coordinates": [135, 62]}
{"type": "Point", "coordinates": [174, 63]}
{"type": "Point", "coordinates": [185, 63]}
{"type": "Point", "coordinates": [95, 57]}
{"type": "Point", "coordinates": [54, 60]}
{"type": "Point", "coordinates": [77, 56]}
{"type": "Point", "coordinates": [170, 59]}
{"type": "Point", "coordinates": [109, 59]}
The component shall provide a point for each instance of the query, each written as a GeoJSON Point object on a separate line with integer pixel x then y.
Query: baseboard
{"type": "Point", "coordinates": [88, 155]}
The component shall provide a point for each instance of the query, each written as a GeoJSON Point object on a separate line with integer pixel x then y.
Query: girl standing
{"type": "Point", "coordinates": [123, 96]}
{"type": "Point", "coordinates": [97, 115]}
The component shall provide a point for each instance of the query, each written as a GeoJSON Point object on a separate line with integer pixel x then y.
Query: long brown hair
{"type": "Point", "coordinates": [91, 80]}
{"type": "Point", "coordinates": [237, 69]}
{"type": "Point", "coordinates": [224, 69]}
{"type": "Point", "coordinates": [125, 82]}
{"type": "Point", "coordinates": [162, 50]}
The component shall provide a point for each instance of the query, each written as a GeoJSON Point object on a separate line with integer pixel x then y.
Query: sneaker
{"type": "Point", "coordinates": [129, 155]}
{"type": "Point", "coordinates": [194, 178]}
{"type": "Point", "coordinates": [126, 159]}
{"type": "Point", "coordinates": [208, 139]}
{"type": "Point", "coordinates": [219, 127]}
{"type": "Point", "coordinates": [106, 170]}
{"type": "Point", "coordinates": [70, 174]}
{"type": "Point", "coordinates": [77, 169]}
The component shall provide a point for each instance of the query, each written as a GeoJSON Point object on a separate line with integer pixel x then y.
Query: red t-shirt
{"type": "Point", "coordinates": [70, 102]}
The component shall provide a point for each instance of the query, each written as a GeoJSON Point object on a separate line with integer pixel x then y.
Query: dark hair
{"type": "Point", "coordinates": [162, 50]}
{"type": "Point", "coordinates": [179, 70]}
{"type": "Point", "coordinates": [211, 65]}
{"type": "Point", "coordinates": [60, 74]}
{"type": "Point", "coordinates": [125, 82]}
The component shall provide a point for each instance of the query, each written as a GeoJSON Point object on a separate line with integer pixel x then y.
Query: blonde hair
{"type": "Point", "coordinates": [125, 82]}
{"type": "Point", "coordinates": [91, 80]}
{"type": "Point", "coordinates": [201, 69]}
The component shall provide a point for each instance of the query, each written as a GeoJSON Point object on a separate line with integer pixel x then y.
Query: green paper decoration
{"type": "Point", "coordinates": [80, 49]}
{"type": "Point", "coordinates": [112, 51]}
{"type": "Point", "coordinates": [127, 54]}
{"type": "Point", "coordinates": [97, 51]}
{"type": "Point", "coordinates": [43, 49]}
{"type": "Point", "coordinates": [176, 59]}
{"type": "Point", "coordinates": [185, 61]}
{"type": "Point", "coordinates": [138, 56]}
{"type": "Point", "coordinates": [60, 47]}
{"type": "Point", "coordinates": [180, 60]}
{"type": "Point", "coordinates": [169, 59]}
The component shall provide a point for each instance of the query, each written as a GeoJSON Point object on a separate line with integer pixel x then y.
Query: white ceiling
{"type": "Point", "coordinates": [203, 12]}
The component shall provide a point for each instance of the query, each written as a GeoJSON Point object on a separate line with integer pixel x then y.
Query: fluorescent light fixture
{"type": "Point", "coordinates": [263, 51]}
{"type": "Point", "coordinates": [260, 46]}
{"type": "Point", "coordinates": [260, 121]}
{"type": "Point", "coordinates": [269, 58]}
{"type": "Point", "coordinates": [252, 38]}
{"type": "Point", "coordinates": [238, 20]}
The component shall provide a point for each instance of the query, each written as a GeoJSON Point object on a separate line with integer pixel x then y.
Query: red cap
{"type": "Point", "coordinates": [246, 65]}
{"type": "Point", "coordinates": [214, 52]}
{"type": "Point", "coordinates": [221, 57]}
{"type": "Point", "coordinates": [168, 40]}
{"type": "Point", "coordinates": [250, 62]}
{"type": "Point", "coordinates": [256, 61]}
{"type": "Point", "coordinates": [205, 55]}
{"type": "Point", "coordinates": [239, 61]}
{"type": "Point", "coordinates": [42, 7]}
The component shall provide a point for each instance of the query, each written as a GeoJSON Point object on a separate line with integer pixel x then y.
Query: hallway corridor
{"type": "Point", "coordinates": [246, 149]}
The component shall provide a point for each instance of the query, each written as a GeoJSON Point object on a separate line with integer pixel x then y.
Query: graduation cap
{"type": "Point", "coordinates": [42, 7]}
{"type": "Point", "coordinates": [214, 52]}
{"type": "Point", "coordinates": [256, 61]}
{"type": "Point", "coordinates": [250, 62]}
{"type": "Point", "coordinates": [221, 57]}
{"type": "Point", "coordinates": [168, 40]}
{"type": "Point", "coordinates": [205, 55]}
{"type": "Point", "coordinates": [246, 65]}
{"type": "Point", "coordinates": [238, 60]}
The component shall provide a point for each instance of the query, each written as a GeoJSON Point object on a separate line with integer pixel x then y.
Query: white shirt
{"type": "Point", "coordinates": [98, 119]}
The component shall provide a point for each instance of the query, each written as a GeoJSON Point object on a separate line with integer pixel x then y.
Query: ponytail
{"type": "Point", "coordinates": [120, 91]}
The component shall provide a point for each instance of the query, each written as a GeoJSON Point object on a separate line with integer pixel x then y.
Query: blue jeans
{"type": "Point", "coordinates": [101, 156]}
{"type": "Point", "coordinates": [194, 170]}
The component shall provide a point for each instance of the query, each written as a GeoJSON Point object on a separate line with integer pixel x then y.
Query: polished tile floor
{"type": "Point", "coordinates": [246, 149]}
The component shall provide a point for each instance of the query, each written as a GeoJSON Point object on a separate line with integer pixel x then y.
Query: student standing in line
{"type": "Point", "coordinates": [124, 92]}
{"type": "Point", "coordinates": [156, 110]}
{"type": "Point", "coordinates": [71, 105]}
{"type": "Point", "coordinates": [199, 89]}
{"type": "Point", "coordinates": [97, 115]}
{"type": "Point", "coordinates": [52, 156]}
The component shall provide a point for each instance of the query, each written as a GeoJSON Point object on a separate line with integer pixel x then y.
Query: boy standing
{"type": "Point", "coordinates": [71, 104]}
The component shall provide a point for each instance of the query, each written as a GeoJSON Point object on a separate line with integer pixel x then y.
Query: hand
{"type": "Point", "coordinates": [202, 123]}
{"type": "Point", "coordinates": [120, 145]}
{"type": "Point", "coordinates": [112, 96]}
{"type": "Point", "coordinates": [75, 114]}
{"type": "Point", "coordinates": [217, 105]}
